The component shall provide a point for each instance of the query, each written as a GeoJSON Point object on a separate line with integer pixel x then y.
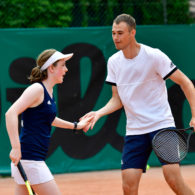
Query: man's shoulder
{"type": "Point", "coordinates": [151, 52]}
{"type": "Point", "coordinates": [149, 49]}
{"type": "Point", "coordinates": [116, 55]}
{"type": "Point", "coordinates": [154, 53]}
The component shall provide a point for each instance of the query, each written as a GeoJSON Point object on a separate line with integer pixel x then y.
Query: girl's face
{"type": "Point", "coordinates": [60, 70]}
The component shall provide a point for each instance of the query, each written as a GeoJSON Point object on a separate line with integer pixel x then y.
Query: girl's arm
{"type": "Point", "coordinates": [69, 125]}
{"type": "Point", "coordinates": [31, 97]}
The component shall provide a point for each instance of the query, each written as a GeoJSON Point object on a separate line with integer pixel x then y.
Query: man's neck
{"type": "Point", "coordinates": [132, 50]}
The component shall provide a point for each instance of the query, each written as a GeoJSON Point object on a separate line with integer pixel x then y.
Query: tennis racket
{"type": "Point", "coordinates": [171, 145]}
{"type": "Point", "coordinates": [27, 183]}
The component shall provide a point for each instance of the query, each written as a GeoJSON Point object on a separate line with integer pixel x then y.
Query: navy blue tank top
{"type": "Point", "coordinates": [36, 129]}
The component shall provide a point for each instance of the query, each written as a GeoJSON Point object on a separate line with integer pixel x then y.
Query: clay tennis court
{"type": "Point", "coordinates": [108, 183]}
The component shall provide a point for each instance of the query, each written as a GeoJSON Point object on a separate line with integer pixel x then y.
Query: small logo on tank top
{"type": "Point", "coordinates": [49, 103]}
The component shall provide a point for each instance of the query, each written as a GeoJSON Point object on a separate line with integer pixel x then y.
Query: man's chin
{"type": "Point", "coordinates": [117, 47]}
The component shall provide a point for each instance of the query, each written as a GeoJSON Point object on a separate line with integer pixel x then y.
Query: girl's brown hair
{"type": "Point", "coordinates": [37, 75]}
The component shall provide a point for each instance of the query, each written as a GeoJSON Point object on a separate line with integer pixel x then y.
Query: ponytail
{"type": "Point", "coordinates": [37, 75]}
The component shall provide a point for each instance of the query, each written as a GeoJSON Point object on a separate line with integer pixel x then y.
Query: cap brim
{"type": "Point", "coordinates": [67, 56]}
{"type": "Point", "coordinates": [55, 57]}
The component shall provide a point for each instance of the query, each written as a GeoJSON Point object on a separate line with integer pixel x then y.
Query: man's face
{"type": "Point", "coordinates": [121, 35]}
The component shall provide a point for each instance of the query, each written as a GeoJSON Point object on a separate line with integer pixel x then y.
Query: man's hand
{"type": "Point", "coordinates": [192, 123]}
{"type": "Point", "coordinates": [94, 116]}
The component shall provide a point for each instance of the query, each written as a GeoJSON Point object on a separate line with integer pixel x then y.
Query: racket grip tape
{"type": "Point", "coordinates": [23, 174]}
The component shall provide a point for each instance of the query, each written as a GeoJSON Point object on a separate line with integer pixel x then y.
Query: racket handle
{"type": "Point", "coordinates": [21, 170]}
{"type": "Point", "coordinates": [23, 174]}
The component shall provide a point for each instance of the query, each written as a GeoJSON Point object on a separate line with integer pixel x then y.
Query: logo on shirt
{"type": "Point", "coordinates": [49, 103]}
{"type": "Point", "coordinates": [172, 65]}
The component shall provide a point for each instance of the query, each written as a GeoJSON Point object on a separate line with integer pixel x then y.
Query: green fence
{"type": "Point", "coordinates": [84, 89]}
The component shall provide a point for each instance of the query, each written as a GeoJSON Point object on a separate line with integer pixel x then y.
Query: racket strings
{"type": "Point", "coordinates": [170, 146]}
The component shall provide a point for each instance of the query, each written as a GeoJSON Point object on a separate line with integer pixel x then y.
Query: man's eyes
{"type": "Point", "coordinates": [119, 33]}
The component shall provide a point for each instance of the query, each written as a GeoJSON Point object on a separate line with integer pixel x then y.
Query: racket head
{"type": "Point", "coordinates": [170, 145]}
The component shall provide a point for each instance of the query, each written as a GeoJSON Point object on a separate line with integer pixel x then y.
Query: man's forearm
{"type": "Point", "coordinates": [113, 105]}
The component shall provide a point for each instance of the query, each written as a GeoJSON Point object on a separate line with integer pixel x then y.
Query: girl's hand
{"type": "Point", "coordinates": [84, 122]}
{"type": "Point", "coordinates": [15, 155]}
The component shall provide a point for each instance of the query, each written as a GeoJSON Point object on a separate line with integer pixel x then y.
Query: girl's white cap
{"type": "Point", "coordinates": [55, 57]}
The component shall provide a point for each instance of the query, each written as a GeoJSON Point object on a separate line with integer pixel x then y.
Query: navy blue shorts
{"type": "Point", "coordinates": [136, 151]}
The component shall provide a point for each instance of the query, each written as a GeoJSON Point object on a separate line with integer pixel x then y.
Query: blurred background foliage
{"type": "Point", "coordinates": [82, 13]}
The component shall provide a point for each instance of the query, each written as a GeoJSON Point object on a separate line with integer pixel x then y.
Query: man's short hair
{"type": "Point", "coordinates": [128, 19]}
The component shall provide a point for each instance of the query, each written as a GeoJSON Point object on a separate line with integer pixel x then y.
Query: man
{"type": "Point", "coordinates": [137, 74]}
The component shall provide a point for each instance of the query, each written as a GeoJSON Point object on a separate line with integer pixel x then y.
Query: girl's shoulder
{"type": "Point", "coordinates": [35, 88]}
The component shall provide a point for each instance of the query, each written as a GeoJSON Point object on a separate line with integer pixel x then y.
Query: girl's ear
{"type": "Point", "coordinates": [51, 68]}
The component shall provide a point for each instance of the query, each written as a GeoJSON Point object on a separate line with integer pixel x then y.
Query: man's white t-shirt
{"type": "Point", "coordinates": [141, 86]}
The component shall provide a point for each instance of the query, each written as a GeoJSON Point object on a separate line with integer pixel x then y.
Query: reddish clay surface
{"type": "Point", "coordinates": [108, 183]}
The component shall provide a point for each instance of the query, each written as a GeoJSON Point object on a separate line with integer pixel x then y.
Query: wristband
{"type": "Point", "coordinates": [75, 127]}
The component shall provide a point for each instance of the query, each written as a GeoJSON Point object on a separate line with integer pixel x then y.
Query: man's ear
{"type": "Point", "coordinates": [133, 32]}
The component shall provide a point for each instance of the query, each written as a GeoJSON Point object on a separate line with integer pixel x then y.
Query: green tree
{"type": "Point", "coordinates": [178, 12]}
{"type": "Point", "coordinates": [35, 13]}
{"type": "Point", "coordinates": [63, 13]}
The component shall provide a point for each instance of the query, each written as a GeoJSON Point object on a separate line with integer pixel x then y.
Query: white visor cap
{"type": "Point", "coordinates": [55, 57]}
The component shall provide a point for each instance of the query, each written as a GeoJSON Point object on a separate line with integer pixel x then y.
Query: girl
{"type": "Point", "coordinates": [38, 109]}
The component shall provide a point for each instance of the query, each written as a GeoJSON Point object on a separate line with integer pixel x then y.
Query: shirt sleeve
{"type": "Point", "coordinates": [111, 77]}
{"type": "Point", "coordinates": [163, 65]}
